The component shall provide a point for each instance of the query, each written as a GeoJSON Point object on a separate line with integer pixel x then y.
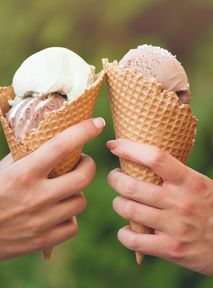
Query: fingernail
{"type": "Point", "coordinates": [111, 144]}
{"type": "Point", "coordinates": [114, 202]}
{"type": "Point", "coordinates": [74, 220]}
{"type": "Point", "coordinates": [114, 171]}
{"type": "Point", "coordinates": [99, 123]}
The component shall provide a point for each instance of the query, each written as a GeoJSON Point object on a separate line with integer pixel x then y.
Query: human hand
{"type": "Point", "coordinates": [180, 211]}
{"type": "Point", "coordinates": [37, 212]}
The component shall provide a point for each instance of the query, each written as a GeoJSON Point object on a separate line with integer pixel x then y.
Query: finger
{"type": "Point", "coordinates": [56, 236]}
{"type": "Point", "coordinates": [161, 162]}
{"type": "Point", "coordinates": [6, 161]}
{"type": "Point", "coordinates": [140, 191]}
{"type": "Point", "coordinates": [149, 244]}
{"type": "Point", "coordinates": [70, 183]}
{"type": "Point", "coordinates": [61, 212]}
{"type": "Point", "coordinates": [45, 158]}
{"type": "Point", "coordinates": [48, 239]}
{"type": "Point", "coordinates": [140, 214]}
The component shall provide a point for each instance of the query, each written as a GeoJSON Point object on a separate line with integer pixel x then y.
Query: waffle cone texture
{"type": "Point", "coordinates": [54, 122]}
{"type": "Point", "coordinates": [143, 111]}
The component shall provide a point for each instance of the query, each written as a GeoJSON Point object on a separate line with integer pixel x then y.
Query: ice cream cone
{"type": "Point", "coordinates": [142, 111]}
{"type": "Point", "coordinates": [54, 122]}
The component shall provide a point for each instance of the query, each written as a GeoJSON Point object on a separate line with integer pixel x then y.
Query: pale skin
{"type": "Point", "coordinates": [180, 211]}
{"type": "Point", "coordinates": [37, 212]}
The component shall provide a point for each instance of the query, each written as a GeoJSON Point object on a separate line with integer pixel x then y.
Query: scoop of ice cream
{"type": "Point", "coordinates": [26, 115]}
{"type": "Point", "coordinates": [52, 70]}
{"type": "Point", "coordinates": [158, 63]}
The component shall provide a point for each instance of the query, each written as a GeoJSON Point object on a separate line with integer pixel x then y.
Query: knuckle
{"type": "Point", "coordinates": [57, 146]}
{"type": "Point", "coordinates": [133, 243]}
{"type": "Point", "coordinates": [158, 157]}
{"type": "Point", "coordinates": [182, 231]}
{"type": "Point", "coordinates": [157, 217]}
{"type": "Point", "coordinates": [90, 129]}
{"type": "Point", "coordinates": [187, 208]}
{"type": "Point", "coordinates": [20, 176]}
{"type": "Point", "coordinates": [129, 210]}
{"type": "Point", "coordinates": [176, 251]}
{"type": "Point", "coordinates": [86, 129]}
{"type": "Point", "coordinates": [31, 203]}
{"type": "Point", "coordinates": [130, 187]}
{"type": "Point", "coordinates": [84, 179]}
{"type": "Point", "coordinates": [199, 184]}
{"type": "Point", "coordinates": [34, 227]}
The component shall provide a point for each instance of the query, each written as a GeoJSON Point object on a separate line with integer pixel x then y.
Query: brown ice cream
{"type": "Point", "coordinates": [27, 114]}
{"type": "Point", "coordinates": [160, 64]}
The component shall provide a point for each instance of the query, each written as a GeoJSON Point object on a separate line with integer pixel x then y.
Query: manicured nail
{"type": "Point", "coordinates": [99, 123]}
{"type": "Point", "coordinates": [111, 144]}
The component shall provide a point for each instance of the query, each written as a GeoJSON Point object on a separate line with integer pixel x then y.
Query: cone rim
{"type": "Point", "coordinates": [139, 75]}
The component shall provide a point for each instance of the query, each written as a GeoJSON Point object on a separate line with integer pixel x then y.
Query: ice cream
{"type": "Point", "coordinates": [160, 64]}
{"type": "Point", "coordinates": [51, 70]}
{"type": "Point", "coordinates": [43, 83]}
{"type": "Point", "coordinates": [26, 114]}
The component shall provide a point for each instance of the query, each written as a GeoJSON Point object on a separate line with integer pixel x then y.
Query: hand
{"type": "Point", "coordinates": [180, 211]}
{"type": "Point", "coordinates": [37, 212]}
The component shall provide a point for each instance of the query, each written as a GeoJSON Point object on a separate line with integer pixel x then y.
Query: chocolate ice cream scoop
{"type": "Point", "coordinates": [27, 114]}
{"type": "Point", "coordinates": [158, 63]}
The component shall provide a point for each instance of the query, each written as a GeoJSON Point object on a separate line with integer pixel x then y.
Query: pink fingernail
{"type": "Point", "coordinates": [99, 123]}
{"type": "Point", "coordinates": [74, 221]}
{"type": "Point", "coordinates": [111, 144]}
{"type": "Point", "coordinates": [114, 171]}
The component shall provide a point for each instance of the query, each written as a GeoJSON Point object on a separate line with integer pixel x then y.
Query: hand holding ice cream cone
{"type": "Point", "coordinates": [52, 90]}
{"type": "Point", "coordinates": [148, 90]}
{"type": "Point", "coordinates": [38, 212]}
{"type": "Point", "coordinates": [179, 212]}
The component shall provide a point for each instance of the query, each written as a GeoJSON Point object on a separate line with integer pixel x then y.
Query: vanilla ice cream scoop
{"type": "Point", "coordinates": [52, 70]}
{"type": "Point", "coordinates": [158, 63]}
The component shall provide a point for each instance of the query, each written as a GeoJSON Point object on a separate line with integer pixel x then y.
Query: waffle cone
{"type": "Point", "coordinates": [142, 111]}
{"type": "Point", "coordinates": [54, 122]}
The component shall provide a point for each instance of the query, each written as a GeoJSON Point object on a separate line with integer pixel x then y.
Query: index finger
{"type": "Point", "coordinates": [162, 163]}
{"type": "Point", "coordinates": [46, 157]}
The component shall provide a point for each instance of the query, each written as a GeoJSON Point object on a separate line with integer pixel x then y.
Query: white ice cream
{"type": "Point", "coordinates": [52, 70]}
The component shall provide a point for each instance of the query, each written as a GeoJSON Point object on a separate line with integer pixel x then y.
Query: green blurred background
{"type": "Point", "coordinates": [96, 29]}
